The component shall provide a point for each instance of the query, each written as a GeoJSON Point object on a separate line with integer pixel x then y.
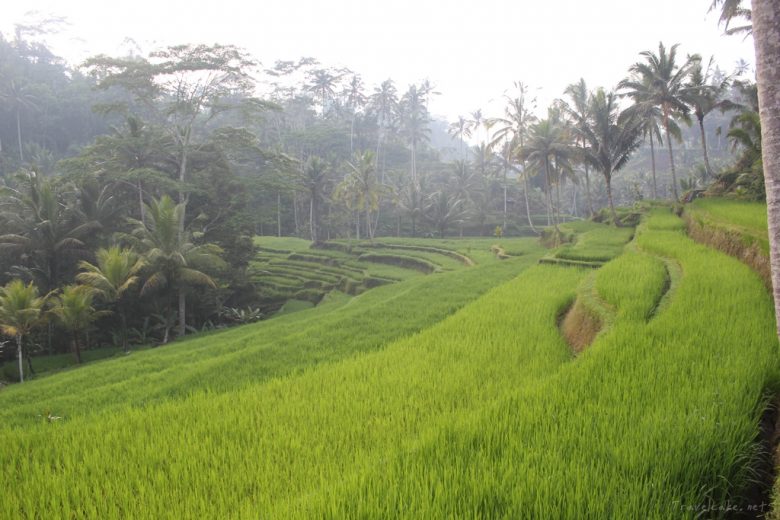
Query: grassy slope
{"type": "Point", "coordinates": [482, 415]}
{"type": "Point", "coordinates": [748, 218]}
{"type": "Point", "coordinates": [655, 420]}
{"type": "Point", "coordinates": [290, 343]}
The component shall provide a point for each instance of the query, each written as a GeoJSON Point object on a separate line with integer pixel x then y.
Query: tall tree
{"type": "Point", "coordinates": [361, 185]}
{"type": "Point", "coordinates": [704, 94]}
{"type": "Point", "coordinates": [414, 121]}
{"type": "Point", "coordinates": [666, 81]}
{"type": "Point", "coordinates": [460, 130]}
{"type": "Point", "coordinates": [20, 311]}
{"type": "Point", "coordinates": [21, 98]}
{"type": "Point", "coordinates": [548, 147]}
{"type": "Point", "coordinates": [313, 182]}
{"type": "Point", "coordinates": [73, 308]}
{"type": "Point", "coordinates": [766, 37]}
{"type": "Point", "coordinates": [115, 273]}
{"type": "Point", "coordinates": [510, 136]}
{"type": "Point", "coordinates": [611, 139]}
{"type": "Point", "coordinates": [183, 88]}
{"type": "Point", "coordinates": [730, 11]}
{"type": "Point", "coordinates": [577, 110]}
{"type": "Point", "coordinates": [174, 261]}
{"type": "Point", "coordinates": [384, 105]}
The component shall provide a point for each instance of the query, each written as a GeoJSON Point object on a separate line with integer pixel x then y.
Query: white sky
{"type": "Point", "coordinates": [472, 51]}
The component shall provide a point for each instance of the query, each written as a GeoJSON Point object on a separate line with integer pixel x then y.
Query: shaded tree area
{"type": "Point", "coordinates": [132, 186]}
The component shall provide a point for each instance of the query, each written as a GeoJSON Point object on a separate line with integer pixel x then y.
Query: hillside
{"type": "Point", "coordinates": [451, 394]}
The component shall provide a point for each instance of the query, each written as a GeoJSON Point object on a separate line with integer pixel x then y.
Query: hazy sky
{"type": "Point", "coordinates": [472, 50]}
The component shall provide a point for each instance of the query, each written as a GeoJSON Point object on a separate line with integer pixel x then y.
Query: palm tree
{"type": "Point", "coordinates": [414, 121]}
{"type": "Point", "coordinates": [362, 186]}
{"type": "Point", "coordinates": [354, 100]}
{"type": "Point", "coordinates": [44, 232]}
{"type": "Point", "coordinates": [73, 308]}
{"type": "Point", "coordinates": [731, 10]}
{"type": "Point", "coordinates": [313, 180]}
{"type": "Point", "coordinates": [766, 20]}
{"type": "Point", "coordinates": [510, 135]}
{"type": "Point", "coordinates": [322, 83]}
{"type": "Point", "coordinates": [20, 98]}
{"type": "Point", "coordinates": [443, 210]}
{"type": "Point", "coordinates": [116, 272]}
{"type": "Point", "coordinates": [704, 96]}
{"type": "Point", "coordinates": [548, 148]}
{"type": "Point", "coordinates": [20, 311]}
{"type": "Point", "coordinates": [577, 110]}
{"type": "Point", "coordinates": [173, 260]}
{"type": "Point", "coordinates": [662, 80]}
{"type": "Point", "coordinates": [611, 139]}
{"type": "Point", "coordinates": [384, 104]}
{"type": "Point", "coordinates": [460, 130]}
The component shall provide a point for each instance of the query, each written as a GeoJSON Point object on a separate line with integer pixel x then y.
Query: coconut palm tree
{"type": "Point", "coordinates": [20, 98]}
{"type": "Point", "coordinates": [362, 186]}
{"type": "Point", "coordinates": [611, 139]}
{"type": "Point", "coordinates": [414, 117]}
{"type": "Point", "coordinates": [766, 20]}
{"type": "Point", "coordinates": [315, 177]}
{"type": "Point", "coordinates": [731, 10]}
{"type": "Point", "coordinates": [44, 232]}
{"type": "Point", "coordinates": [660, 81]}
{"type": "Point", "coordinates": [510, 135]}
{"type": "Point", "coordinates": [444, 209]}
{"type": "Point", "coordinates": [355, 99]}
{"type": "Point", "coordinates": [384, 105]}
{"type": "Point", "coordinates": [20, 312]}
{"type": "Point", "coordinates": [73, 308]}
{"type": "Point", "coordinates": [548, 147]}
{"type": "Point", "coordinates": [116, 272]}
{"type": "Point", "coordinates": [704, 96]}
{"type": "Point", "coordinates": [173, 261]}
{"type": "Point", "coordinates": [460, 130]}
{"type": "Point", "coordinates": [577, 111]}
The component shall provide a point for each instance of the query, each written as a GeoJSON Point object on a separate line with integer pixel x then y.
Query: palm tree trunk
{"type": "Point", "coordinates": [671, 160]}
{"type": "Point", "coordinates": [506, 167]}
{"type": "Point", "coordinates": [182, 313]}
{"type": "Point", "coordinates": [352, 134]}
{"type": "Point", "coordinates": [312, 227]}
{"type": "Point", "coordinates": [141, 202]}
{"type": "Point", "coordinates": [368, 223]}
{"type": "Point", "coordinates": [704, 148]}
{"type": "Point", "coordinates": [766, 35]}
{"type": "Point", "coordinates": [123, 318]}
{"type": "Point", "coordinates": [19, 134]}
{"type": "Point", "coordinates": [652, 163]}
{"type": "Point", "coordinates": [279, 214]}
{"type": "Point", "coordinates": [76, 347]}
{"type": "Point", "coordinates": [587, 191]}
{"type": "Point", "coordinates": [19, 355]}
{"type": "Point", "coordinates": [611, 203]}
{"type": "Point", "coordinates": [527, 207]}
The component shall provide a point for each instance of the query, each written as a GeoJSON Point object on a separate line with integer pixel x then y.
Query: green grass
{"type": "Point", "coordinates": [594, 242]}
{"type": "Point", "coordinates": [750, 215]}
{"type": "Point", "coordinates": [420, 400]}
{"type": "Point", "coordinates": [224, 361]}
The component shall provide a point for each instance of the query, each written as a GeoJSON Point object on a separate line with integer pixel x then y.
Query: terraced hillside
{"type": "Point", "coordinates": [289, 271]}
{"type": "Point", "coordinates": [448, 395]}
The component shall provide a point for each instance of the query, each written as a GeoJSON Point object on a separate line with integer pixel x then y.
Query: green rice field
{"type": "Point", "coordinates": [451, 394]}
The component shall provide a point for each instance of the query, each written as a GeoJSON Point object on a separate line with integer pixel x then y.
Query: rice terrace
{"type": "Point", "coordinates": [233, 288]}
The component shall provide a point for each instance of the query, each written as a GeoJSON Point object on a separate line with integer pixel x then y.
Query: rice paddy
{"type": "Point", "coordinates": [451, 394]}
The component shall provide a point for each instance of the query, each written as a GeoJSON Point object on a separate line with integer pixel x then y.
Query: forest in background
{"type": "Point", "coordinates": [160, 169]}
